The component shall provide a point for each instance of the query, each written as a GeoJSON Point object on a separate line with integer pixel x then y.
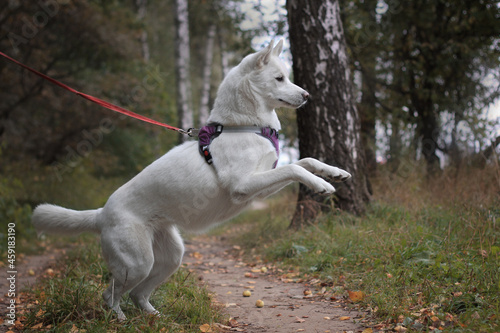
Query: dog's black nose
{"type": "Point", "coordinates": [305, 95]}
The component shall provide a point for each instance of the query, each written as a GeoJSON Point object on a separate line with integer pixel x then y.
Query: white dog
{"type": "Point", "coordinates": [191, 191]}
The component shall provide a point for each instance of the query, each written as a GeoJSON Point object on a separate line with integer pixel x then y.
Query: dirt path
{"type": "Point", "coordinates": [28, 270]}
{"type": "Point", "coordinates": [286, 308]}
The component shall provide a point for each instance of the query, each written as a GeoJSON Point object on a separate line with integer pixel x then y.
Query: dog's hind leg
{"type": "Point", "coordinates": [168, 250]}
{"type": "Point", "coordinates": [128, 250]}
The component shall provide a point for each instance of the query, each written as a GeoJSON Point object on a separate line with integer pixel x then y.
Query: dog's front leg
{"type": "Point", "coordinates": [324, 170]}
{"type": "Point", "coordinates": [263, 184]}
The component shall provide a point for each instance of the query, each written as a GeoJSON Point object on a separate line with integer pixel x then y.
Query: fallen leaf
{"type": "Point", "coordinates": [198, 255]}
{"type": "Point", "coordinates": [344, 318]}
{"type": "Point", "coordinates": [299, 320]}
{"type": "Point", "coordinates": [326, 318]}
{"type": "Point", "coordinates": [75, 329]}
{"type": "Point", "coordinates": [223, 326]}
{"type": "Point", "coordinates": [205, 328]}
{"type": "Point", "coordinates": [367, 330]}
{"type": "Point", "coordinates": [356, 296]}
{"type": "Point", "coordinates": [233, 322]}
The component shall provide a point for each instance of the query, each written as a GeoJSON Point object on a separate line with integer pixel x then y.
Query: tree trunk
{"type": "Point", "coordinates": [141, 14]}
{"type": "Point", "coordinates": [368, 115]}
{"type": "Point", "coordinates": [328, 126]}
{"type": "Point", "coordinates": [207, 73]}
{"type": "Point", "coordinates": [395, 145]}
{"type": "Point", "coordinates": [182, 58]}
{"type": "Point", "coordinates": [224, 56]}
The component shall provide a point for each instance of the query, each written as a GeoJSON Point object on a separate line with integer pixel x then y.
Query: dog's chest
{"type": "Point", "coordinates": [259, 144]}
{"type": "Point", "coordinates": [244, 153]}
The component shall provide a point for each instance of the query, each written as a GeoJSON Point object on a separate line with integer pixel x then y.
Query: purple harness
{"type": "Point", "coordinates": [208, 133]}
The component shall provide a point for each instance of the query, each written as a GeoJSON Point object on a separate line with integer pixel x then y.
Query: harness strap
{"type": "Point", "coordinates": [208, 133]}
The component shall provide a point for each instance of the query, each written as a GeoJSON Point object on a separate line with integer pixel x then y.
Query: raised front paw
{"type": "Point", "coordinates": [322, 187]}
{"type": "Point", "coordinates": [338, 175]}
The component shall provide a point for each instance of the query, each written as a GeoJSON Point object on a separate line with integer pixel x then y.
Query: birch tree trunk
{"type": "Point", "coordinates": [182, 59]}
{"type": "Point", "coordinates": [328, 126]}
{"type": "Point", "coordinates": [141, 14]}
{"type": "Point", "coordinates": [207, 73]}
{"type": "Point", "coordinates": [224, 56]}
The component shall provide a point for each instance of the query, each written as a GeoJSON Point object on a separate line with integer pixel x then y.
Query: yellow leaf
{"type": "Point", "coordinates": [356, 296]}
{"type": "Point", "coordinates": [344, 318]}
{"type": "Point", "coordinates": [368, 330]}
{"type": "Point", "coordinates": [205, 328]}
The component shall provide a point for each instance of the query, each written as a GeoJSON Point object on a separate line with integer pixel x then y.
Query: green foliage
{"type": "Point", "coordinates": [428, 71]}
{"type": "Point", "coordinates": [12, 211]}
{"type": "Point", "coordinates": [72, 298]}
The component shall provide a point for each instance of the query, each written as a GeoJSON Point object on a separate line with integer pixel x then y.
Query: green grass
{"type": "Point", "coordinates": [427, 267]}
{"type": "Point", "coordinates": [72, 298]}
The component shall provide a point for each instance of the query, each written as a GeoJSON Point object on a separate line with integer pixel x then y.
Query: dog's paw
{"type": "Point", "coordinates": [324, 188]}
{"type": "Point", "coordinates": [338, 175]}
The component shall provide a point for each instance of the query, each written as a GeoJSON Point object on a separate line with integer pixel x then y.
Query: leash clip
{"type": "Point", "coordinates": [191, 132]}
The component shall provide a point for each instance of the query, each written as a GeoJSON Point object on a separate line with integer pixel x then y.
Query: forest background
{"type": "Point", "coordinates": [402, 59]}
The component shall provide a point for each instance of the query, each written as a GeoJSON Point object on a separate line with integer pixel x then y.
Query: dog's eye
{"type": "Point", "coordinates": [280, 78]}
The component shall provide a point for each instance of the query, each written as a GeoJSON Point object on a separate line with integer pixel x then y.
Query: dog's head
{"type": "Point", "coordinates": [268, 79]}
{"type": "Point", "coordinates": [252, 90]}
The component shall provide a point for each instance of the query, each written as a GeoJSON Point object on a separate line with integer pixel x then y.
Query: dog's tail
{"type": "Point", "coordinates": [53, 219]}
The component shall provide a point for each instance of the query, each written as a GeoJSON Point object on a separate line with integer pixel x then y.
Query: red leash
{"type": "Point", "coordinates": [98, 100]}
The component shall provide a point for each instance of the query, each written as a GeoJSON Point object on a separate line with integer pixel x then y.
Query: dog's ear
{"type": "Point", "coordinates": [264, 56]}
{"type": "Point", "coordinates": [278, 48]}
